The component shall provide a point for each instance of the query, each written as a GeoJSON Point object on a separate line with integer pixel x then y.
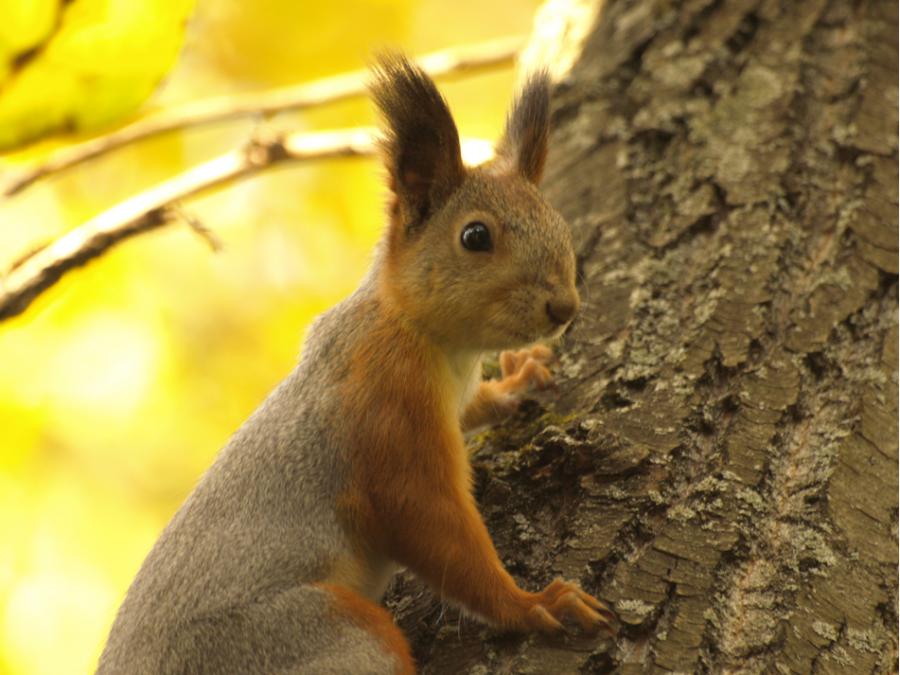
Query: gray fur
{"type": "Point", "coordinates": [225, 589]}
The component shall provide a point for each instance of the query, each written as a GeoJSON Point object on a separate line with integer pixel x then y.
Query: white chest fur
{"type": "Point", "coordinates": [465, 369]}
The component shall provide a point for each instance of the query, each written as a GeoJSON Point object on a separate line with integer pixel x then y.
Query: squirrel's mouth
{"type": "Point", "coordinates": [521, 338]}
{"type": "Point", "coordinates": [557, 331]}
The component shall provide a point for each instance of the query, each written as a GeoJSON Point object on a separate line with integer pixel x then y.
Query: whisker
{"type": "Point", "coordinates": [584, 285]}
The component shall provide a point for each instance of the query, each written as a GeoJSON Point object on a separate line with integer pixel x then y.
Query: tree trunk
{"type": "Point", "coordinates": [719, 462]}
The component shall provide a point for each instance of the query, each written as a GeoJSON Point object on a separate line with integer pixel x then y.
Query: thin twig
{"type": "Point", "coordinates": [34, 273]}
{"type": "Point", "coordinates": [454, 61]}
{"type": "Point", "coordinates": [210, 237]}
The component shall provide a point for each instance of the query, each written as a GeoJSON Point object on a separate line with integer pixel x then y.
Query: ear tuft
{"type": "Point", "coordinates": [421, 143]}
{"type": "Point", "coordinates": [524, 142]}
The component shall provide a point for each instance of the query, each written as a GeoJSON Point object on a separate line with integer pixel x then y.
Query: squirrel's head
{"type": "Point", "coordinates": [474, 256]}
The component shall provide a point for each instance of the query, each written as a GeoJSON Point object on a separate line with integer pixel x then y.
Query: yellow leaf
{"type": "Point", "coordinates": [102, 60]}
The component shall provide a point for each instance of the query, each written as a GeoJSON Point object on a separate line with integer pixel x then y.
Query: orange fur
{"type": "Point", "coordinates": [487, 406]}
{"type": "Point", "coordinates": [410, 496]}
{"type": "Point", "coordinates": [374, 619]}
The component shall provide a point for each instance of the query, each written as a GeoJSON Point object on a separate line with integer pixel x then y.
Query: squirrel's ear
{"type": "Point", "coordinates": [524, 143]}
{"type": "Point", "coordinates": [421, 143]}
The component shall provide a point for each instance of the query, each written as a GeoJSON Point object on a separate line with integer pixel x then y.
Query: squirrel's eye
{"type": "Point", "coordinates": [476, 237]}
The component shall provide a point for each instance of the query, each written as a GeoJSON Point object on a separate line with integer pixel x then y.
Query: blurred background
{"type": "Point", "coordinates": [119, 385]}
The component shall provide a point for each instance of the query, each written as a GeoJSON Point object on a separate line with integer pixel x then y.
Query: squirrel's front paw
{"type": "Point", "coordinates": [563, 600]}
{"type": "Point", "coordinates": [524, 369]}
{"type": "Point", "coordinates": [520, 372]}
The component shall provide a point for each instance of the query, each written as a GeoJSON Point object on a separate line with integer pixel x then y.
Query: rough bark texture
{"type": "Point", "coordinates": [719, 463]}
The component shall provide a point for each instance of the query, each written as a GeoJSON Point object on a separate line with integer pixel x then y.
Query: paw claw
{"type": "Point", "coordinates": [508, 365]}
{"type": "Point", "coordinates": [562, 599]}
{"type": "Point", "coordinates": [542, 353]}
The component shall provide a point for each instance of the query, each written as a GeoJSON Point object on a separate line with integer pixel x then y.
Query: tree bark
{"type": "Point", "coordinates": [719, 462]}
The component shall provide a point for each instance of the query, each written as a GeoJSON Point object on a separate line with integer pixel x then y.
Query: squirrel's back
{"type": "Point", "coordinates": [237, 539]}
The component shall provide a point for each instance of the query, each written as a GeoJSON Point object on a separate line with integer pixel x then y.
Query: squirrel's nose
{"type": "Point", "coordinates": [561, 310]}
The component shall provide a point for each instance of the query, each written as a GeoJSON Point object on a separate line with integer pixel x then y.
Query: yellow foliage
{"type": "Point", "coordinates": [119, 385]}
{"type": "Point", "coordinates": [273, 53]}
{"type": "Point", "coordinates": [24, 27]}
{"type": "Point", "coordinates": [85, 65]}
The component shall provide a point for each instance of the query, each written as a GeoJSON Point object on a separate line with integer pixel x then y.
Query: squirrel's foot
{"type": "Point", "coordinates": [562, 600]}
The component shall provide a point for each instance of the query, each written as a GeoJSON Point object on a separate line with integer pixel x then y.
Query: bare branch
{"type": "Point", "coordinates": [32, 274]}
{"type": "Point", "coordinates": [449, 62]}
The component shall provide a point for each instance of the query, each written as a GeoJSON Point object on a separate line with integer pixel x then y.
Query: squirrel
{"type": "Point", "coordinates": [356, 463]}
